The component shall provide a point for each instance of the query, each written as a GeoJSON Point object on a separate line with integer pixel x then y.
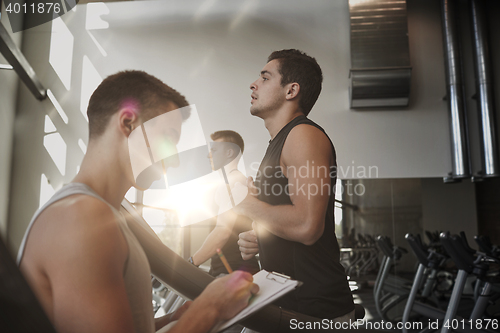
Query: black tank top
{"type": "Point", "coordinates": [325, 292]}
{"type": "Point", "coordinates": [232, 253]}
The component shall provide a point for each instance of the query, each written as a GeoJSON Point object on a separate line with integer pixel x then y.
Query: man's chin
{"type": "Point", "coordinates": [143, 185]}
{"type": "Point", "coordinates": [148, 176]}
{"type": "Point", "coordinates": [139, 188]}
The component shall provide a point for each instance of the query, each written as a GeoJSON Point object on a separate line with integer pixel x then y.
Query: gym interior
{"type": "Point", "coordinates": [410, 100]}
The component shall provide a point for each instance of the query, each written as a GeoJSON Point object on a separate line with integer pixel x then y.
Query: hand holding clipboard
{"type": "Point", "coordinates": [272, 286]}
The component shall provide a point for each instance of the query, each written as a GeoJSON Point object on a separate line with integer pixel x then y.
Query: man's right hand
{"type": "Point", "coordinates": [221, 300]}
{"type": "Point", "coordinates": [248, 244]}
{"type": "Point", "coordinates": [230, 294]}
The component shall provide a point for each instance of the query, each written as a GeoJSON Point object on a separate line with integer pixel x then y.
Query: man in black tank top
{"type": "Point", "coordinates": [292, 199]}
{"type": "Point", "coordinates": [225, 153]}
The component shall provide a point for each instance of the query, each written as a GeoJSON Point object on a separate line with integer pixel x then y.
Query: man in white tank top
{"type": "Point", "coordinates": [86, 268]}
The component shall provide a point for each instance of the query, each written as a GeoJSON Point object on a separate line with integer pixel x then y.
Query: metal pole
{"type": "Point", "coordinates": [458, 289]}
{"type": "Point", "coordinates": [481, 303]}
{"type": "Point", "coordinates": [484, 90]}
{"type": "Point", "coordinates": [455, 91]}
{"type": "Point", "coordinates": [15, 57]}
{"type": "Point", "coordinates": [412, 296]}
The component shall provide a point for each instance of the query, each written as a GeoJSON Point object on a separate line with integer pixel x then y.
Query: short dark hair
{"type": "Point", "coordinates": [144, 91]}
{"type": "Point", "coordinates": [296, 66]}
{"type": "Point", "coordinates": [229, 136]}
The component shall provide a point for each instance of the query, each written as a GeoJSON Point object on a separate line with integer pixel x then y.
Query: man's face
{"type": "Point", "coordinates": [161, 133]}
{"type": "Point", "coordinates": [267, 93]}
{"type": "Point", "coordinates": [164, 132]}
{"type": "Point", "coordinates": [217, 153]}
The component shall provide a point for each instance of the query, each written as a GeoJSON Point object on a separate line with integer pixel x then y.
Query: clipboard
{"type": "Point", "coordinates": [272, 286]}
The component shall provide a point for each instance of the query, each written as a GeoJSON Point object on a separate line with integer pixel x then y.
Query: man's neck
{"type": "Point", "coordinates": [231, 166]}
{"type": "Point", "coordinates": [103, 173]}
{"type": "Point", "coordinates": [279, 119]}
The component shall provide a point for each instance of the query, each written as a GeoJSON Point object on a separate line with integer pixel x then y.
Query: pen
{"type": "Point", "coordinates": [224, 261]}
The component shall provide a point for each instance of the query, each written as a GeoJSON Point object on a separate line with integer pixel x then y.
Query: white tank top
{"type": "Point", "coordinates": [137, 273]}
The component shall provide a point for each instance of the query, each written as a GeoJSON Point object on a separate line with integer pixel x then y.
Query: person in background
{"type": "Point", "coordinates": [226, 152]}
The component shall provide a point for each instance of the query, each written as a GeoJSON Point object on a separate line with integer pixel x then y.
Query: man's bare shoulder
{"type": "Point", "coordinates": [308, 134]}
{"type": "Point", "coordinates": [77, 212]}
{"type": "Point", "coordinates": [237, 176]}
{"type": "Point", "coordinates": [306, 140]}
{"type": "Point", "coordinates": [72, 226]}
{"type": "Point", "coordinates": [74, 260]}
{"type": "Point", "coordinates": [233, 177]}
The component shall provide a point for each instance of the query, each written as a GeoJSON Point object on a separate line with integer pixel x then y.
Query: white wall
{"type": "Point", "coordinates": [8, 94]}
{"type": "Point", "coordinates": [214, 57]}
{"type": "Point", "coordinates": [211, 51]}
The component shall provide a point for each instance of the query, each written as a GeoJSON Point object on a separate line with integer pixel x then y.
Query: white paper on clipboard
{"type": "Point", "coordinates": [271, 287]}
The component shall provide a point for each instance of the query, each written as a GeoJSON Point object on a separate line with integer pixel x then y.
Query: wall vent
{"type": "Point", "coordinates": [380, 57]}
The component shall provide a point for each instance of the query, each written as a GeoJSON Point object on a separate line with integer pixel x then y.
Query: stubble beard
{"type": "Point", "coordinates": [254, 111]}
{"type": "Point", "coordinates": [263, 110]}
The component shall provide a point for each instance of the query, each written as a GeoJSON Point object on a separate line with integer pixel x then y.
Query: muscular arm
{"type": "Point", "coordinates": [306, 149]}
{"type": "Point", "coordinates": [225, 223]}
{"type": "Point", "coordinates": [222, 299]}
{"type": "Point", "coordinates": [217, 238]}
{"type": "Point", "coordinates": [78, 247]}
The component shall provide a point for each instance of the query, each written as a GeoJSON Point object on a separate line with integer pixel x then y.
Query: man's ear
{"type": "Point", "coordinates": [230, 154]}
{"type": "Point", "coordinates": [128, 120]}
{"type": "Point", "coordinates": [292, 91]}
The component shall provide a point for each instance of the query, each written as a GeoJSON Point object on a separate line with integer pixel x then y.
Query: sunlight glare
{"type": "Point", "coordinates": [46, 190]}
{"type": "Point", "coordinates": [56, 147]}
{"type": "Point", "coordinates": [94, 12]}
{"type": "Point", "coordinates": [61, 51]}
{"type": "Point", "coordinates": [82, 145]}
{"type": "Point", "coordinates": [90, 80]}
{"type": "Point", "coordinates": [57, 106]}
{"type": "Point", "coordinates": [49, 125]}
